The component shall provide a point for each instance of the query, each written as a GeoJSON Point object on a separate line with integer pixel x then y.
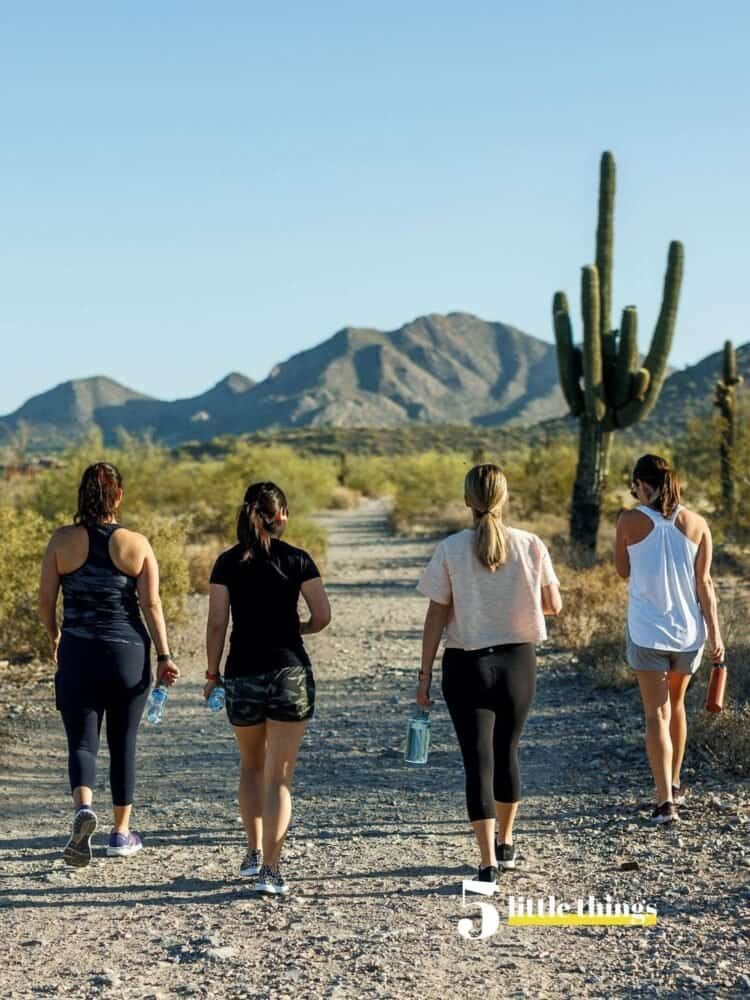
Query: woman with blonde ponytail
{"type": "Point", "coordinates": [489, 587]}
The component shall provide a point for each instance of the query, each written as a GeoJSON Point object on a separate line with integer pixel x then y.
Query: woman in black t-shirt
{"type": "Point", "coordinates": [270, 690]}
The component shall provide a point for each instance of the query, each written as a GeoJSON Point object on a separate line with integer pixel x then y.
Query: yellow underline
{"type": "Point", "coordinates": [578, 919]}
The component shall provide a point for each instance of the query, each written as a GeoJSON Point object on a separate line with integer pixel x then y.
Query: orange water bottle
{"type": "Point", "coordinates": [716, 688]}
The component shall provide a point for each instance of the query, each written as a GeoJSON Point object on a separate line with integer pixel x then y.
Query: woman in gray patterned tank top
{"type": "Point", "coordinates": [108, 576]}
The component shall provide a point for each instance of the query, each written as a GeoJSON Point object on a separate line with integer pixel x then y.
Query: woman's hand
{"type": "Point", "coordinates": [209, 686]}
{"type": "Point", "coordinates": [167, 672]}
{"type": "Point", "coordinates": [717, 648]}
{"type": "Point", "coordinates": [423, 693]}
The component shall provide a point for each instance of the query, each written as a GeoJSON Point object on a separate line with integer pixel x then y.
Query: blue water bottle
{"type": "Point", "coordinates": [418, 737]}
{"type": "Point", "coordinates": [216, 699]}
{"type": "Point", "coordinates": [156, 704]}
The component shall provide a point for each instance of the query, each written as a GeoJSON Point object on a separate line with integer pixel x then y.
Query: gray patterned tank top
{"type": "Point", "coordinates": [99, 600]}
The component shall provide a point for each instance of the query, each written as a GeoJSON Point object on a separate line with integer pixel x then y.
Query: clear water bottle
{"type": "Point", "coordinates": [216, 699]}
{"type": "Point", "coordinates": [418, 737]}
{"type": "Point", "coordinates": [156, 704]}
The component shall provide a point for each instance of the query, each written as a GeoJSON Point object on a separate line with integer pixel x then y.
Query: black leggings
{"type": "Point", "coordinates": [96, 677]}
{"type": "Point", "coordinates": [489, 695]}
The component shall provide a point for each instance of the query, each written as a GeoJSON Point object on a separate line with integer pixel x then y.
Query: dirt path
{"type": "Point", "coordinates": [377, 850]}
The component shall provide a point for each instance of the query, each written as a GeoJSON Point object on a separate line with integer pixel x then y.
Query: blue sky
{"type": "Point", "coordinates": [188, 188]}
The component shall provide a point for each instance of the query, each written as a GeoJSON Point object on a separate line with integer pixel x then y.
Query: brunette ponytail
{"type": "Point", "coordinates": [260, 517]}
{"type": "Point", "coordinates": [657, 473]}
{"type": "Point", "coordinates": [98, 494]}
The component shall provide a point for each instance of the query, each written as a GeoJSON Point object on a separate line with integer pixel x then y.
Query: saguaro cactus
{"type": "Point", "coordinates": [603, 382]}
{"type": "Point", "coordinates": [726, 402]}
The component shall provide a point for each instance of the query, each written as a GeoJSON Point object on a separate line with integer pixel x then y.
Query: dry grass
{"type": "Point", "coordinates": [345, 498]}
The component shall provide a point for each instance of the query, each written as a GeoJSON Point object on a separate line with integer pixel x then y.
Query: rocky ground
{"type": "Point", "coordinates": [377, 850]}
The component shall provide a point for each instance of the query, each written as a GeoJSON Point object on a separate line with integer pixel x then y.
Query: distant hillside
{"type": "Point", "coordinates": [454, 369]}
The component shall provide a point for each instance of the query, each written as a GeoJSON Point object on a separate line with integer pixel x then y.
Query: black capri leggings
{"type": "Point", "coordinates": [96, 678]}
{"type": "Point", "coordinates": [489, 695]}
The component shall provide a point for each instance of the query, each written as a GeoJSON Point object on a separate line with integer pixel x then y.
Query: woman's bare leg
{"type": "Point", "coordinates": [506, 817]}
{"type": "Point", "coordinates": [252, 743]}
{"type": "Point", "coordinates": [282, 745]}
{"type": "Point", "coordinates": [678, 685]}
{"type": "Point", "coordinates": [656, 707]}
{"type": "Point", "coordinates": [484, 831]}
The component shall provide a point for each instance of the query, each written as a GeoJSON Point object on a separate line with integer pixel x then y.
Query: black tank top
{"type": "Point", "coordinates": [99, 600]}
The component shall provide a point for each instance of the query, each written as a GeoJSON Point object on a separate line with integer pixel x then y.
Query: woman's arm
{"type": "Point", "coordinates": [150, 602]}
{"type": "Point", "coordinates": [706, 593]}
{"type": "Point", "coordinates": [622, 559]}
{"type": "Point", "coordinates": [551, 599]}
{"type": "Point", "coordinates": [216, 632]}
{"type": "Point", "coordinates": [436, 619]}
{"type": "Point", "coordinates": [316, 599]}
{"type": "Point", "coordinates": [49, 586]}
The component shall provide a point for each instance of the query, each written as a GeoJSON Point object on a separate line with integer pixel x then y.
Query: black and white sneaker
{"type": "Point", "coordinates": [78, 849]}
{"type": "Point", "coordinates": [271, 881]}
{"type": "Point", "coordinates": [251, 864]}
{"type": "Point", "coordinates": [506, 855]}
{"type": "Point", "coordinates": [665, 813]}
{"type": "Point", "coordinates": [488, 874]}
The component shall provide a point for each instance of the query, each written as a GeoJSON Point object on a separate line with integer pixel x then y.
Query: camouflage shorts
{"type": "Point", "coordinates": [284, 694]}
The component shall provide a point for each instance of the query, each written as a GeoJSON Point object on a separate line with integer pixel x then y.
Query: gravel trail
{"type": "Point", "coordinates": [377, 850]}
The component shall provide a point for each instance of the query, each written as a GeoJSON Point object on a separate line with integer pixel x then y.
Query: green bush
{"type": "Point", "coordinates": [23, 538]}
{"type": "Point", "coordinates": [168, 537]}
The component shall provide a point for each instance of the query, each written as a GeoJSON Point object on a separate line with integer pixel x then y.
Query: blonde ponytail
{"type": "Point", "coordinates": [486, 490]}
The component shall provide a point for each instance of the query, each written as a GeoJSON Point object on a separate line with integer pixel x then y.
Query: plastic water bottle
{"type": "Point", "coordinates": [418, 738]}
{"type": "Point", "coordinates": [217, 698]}
{"type": "Point", "coordinates": [156, 704]}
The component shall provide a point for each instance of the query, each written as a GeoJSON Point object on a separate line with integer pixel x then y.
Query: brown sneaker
{"type": "Point", "coordinates": [678, 794]}
{"type": "Point", "coordinates": [665, 813]}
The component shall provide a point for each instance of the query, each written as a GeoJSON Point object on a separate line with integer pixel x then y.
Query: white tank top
{"type": "Point", "coordinates": [663, 608]}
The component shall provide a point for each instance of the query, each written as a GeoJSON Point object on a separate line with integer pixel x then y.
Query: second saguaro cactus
{"type": "Point", "coordinates": [604, 383]}
{"type": "Point", "coordinates": [726, 402]}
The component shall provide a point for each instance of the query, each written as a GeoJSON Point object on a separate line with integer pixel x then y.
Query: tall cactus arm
{"type": "Point", "coordinates": [593, 385]}
{"type": "Point", "coordinates": [604, 255]}
{"type": "Point", "coordinates": [661, 342]}
{"type": "Point", "coordinates": [568, 356]}
{"type": "Point", "coordinates": [656, 359]}
{"type": "Point", "coordinates": [627, 356]}
{"type": "Point", "coordinates": [730, 365]}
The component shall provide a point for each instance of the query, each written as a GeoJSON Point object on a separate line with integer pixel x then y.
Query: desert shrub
{"type": "Point", "coordinates": [369, 475]}
{"type": "Point", "coordinates": [23, 538]}
{"type": "Point", "coordinates": [427, 486]}
{"type": "Point", "coordinates": [592, 622]}
{"type": "Point", "coordinates": [345, 498]}
{"type": "Point", "coordinates": [168, 537]}
{"type": "Point", "coordinates": [726, 735]}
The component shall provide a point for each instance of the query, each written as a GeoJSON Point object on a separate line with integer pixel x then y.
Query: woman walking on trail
{"type": "Point", "coordinates": [108, 576]}
{"type": "Point", "coordinates": [270, 689]}
{"type": "Point", "coordinates": [665, 552]}
{"type": "Point", "coordinates": [489, 587]}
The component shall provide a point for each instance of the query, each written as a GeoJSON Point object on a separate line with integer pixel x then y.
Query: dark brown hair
{"type": "Point", "coordinates": [657, 473]}
{"type": "Point", "coordinates": [98, 494]}
{"type": "Point", "coordinates": [258, 520]}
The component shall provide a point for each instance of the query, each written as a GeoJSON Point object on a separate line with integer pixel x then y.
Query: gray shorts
{"type": "Point", "coordinates": [661, 660]}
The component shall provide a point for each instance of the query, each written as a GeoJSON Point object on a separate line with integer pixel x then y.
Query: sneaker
{"type": "Point", "coordinates": [506, 855]}
{"type": "Point", "coordinates": [665, 813]}
{"type": "Point", "coordinates": [123, 845]}
{"type": "Point", "coordinates": [78, 849]}
{"type": "Point", "coordinates": [678, 794]}
{"type": "Point", "coordinates": [252, 863]}
{"type": "Point", "coordinates": [488, 874]}
{"type": "Point", "coordinates": [271, 881]}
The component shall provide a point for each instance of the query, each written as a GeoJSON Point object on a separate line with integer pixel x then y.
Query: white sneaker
{"type": "Point", "coordinates": [251, 864]}
{"type": "Point", "coordinates": [271, 882]}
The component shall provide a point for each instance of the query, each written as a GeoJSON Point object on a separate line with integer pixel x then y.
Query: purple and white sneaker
{"type": "Point", "coordinates": [123, 845]}
{"type": "Point", "coordinates": [78, 849]}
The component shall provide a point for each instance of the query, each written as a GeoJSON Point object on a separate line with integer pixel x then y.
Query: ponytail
{"type": "Point", "coordinates": [657, 473]}
{"type": "Point", "coordinates": [99, 494]}
{"type": "Point", "coordinates": [259, 519]}
{"type": "Point", "coordinates": [486, 490]}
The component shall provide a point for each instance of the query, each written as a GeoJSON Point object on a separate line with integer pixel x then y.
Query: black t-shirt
{"type": "Point", "coordinates": [263, 594]}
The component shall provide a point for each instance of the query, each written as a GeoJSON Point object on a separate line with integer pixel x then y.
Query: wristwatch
{"type": "Point", "coordinates": [163, 657]}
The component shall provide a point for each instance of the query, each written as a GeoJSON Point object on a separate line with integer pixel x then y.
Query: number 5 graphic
{"type": "Point", "coordinates": [490, 917]}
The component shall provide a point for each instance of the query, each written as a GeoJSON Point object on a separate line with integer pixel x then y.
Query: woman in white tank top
{"type": "Point", "coordinates": [664, 551]}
